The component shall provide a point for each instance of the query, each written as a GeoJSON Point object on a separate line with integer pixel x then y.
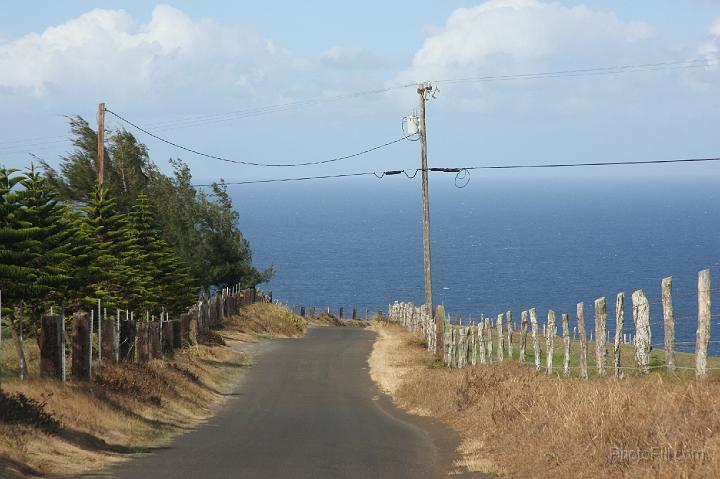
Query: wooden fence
{"type": "Point", "coordinates": [462, 345]}
{"type": "Point", "coordinates": [123, 338]}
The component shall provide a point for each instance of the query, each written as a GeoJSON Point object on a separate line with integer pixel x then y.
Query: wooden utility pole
{"type": "Point", "coordinates": [101, 143]}
{"type": "Point", "coordinates": [422, 90]}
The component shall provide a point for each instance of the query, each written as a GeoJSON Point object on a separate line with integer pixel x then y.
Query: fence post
{"type": "Point", "coordinates": [481, 340]}
{"type": "Point", "coordinates": [440, 333]}
{"type": "Point", "coordinates": [50, 365]}
{"type": "Point", "coordinates": [128, 336]}
{"type": "Point", "coordinates": [668, 323]}
{"type": "Point", "coordinates": [81, 346]}
{"type": "Point", "coordinates": [489, 339]}
{"type": "Point", "coordinates": [508, 320]}
{"type": "Point", "coordinates": [702, 337]}
{"type": "Point", "coordinates": [154, 331]}
{"type": "Point", "coordinates": [312, 312]}
{"type": "Point", "coordinates": [580, 312]}
{"type": "Point", "coordinates": [302, 311]}
{"type": "Point", "coordinates": [61, 342]}
{"type": "Point", "coordinates": [551, 333]}
{"type": "Point", "coordinates": [566, 344]}
{"type": "Point", "coordinates": [340, 312]}
{"type": "Point", "coordinates": [600, 336]}
{"type": "Point", "coordinates": [109, 340]}
{"type": "Point", "coordinates": [619, 323]}
{"type": "Point", "coordinates": [354, 313]}
{"type": "Point", "coordinates": [143, 340]}
{"type": "Point", "coordinates": [643, 340]}
{"type": "Point", "coordinates": [536, 340]}
{"type": "Point", "coordinates": [168, 339]}
{"type": "Point", "coordinates": [177, 338]}
{"type": "Point", "coordinates": [523, 334]}
{"type": "Point", "coordinates": [500, 350]}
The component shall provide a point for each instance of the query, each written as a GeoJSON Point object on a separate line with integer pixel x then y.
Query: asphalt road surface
{"type": "Point", "coordinates": [306, 409]}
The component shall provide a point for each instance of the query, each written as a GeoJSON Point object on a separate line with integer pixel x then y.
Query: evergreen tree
{"type": "Point", "coordinates": [106, 226]}
{"type": "Point", "coordinates": [48, 251]}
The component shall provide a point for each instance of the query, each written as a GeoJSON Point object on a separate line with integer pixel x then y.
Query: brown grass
{"type": "Point", "coordinates": [267, 320]}
{"type": "Point", "coordinates": [128, 407]}
{"type": "Point", "coordinates": [327, 319]}
{"type": "Point", "coordinates": [519, 423]}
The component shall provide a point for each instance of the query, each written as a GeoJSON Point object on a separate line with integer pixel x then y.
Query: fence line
{"type": "Point", "coordinates": [126, 339]}
{"type": "Point", "coordinates": [462, 345]}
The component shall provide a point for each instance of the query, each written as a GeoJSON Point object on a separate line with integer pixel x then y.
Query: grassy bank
{"type": "Point", "coordinates": [50, 428]}
{"type": "Point", "coordinates": [517, 422]}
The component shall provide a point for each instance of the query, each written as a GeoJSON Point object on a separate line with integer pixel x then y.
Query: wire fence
{"type": "Point", "coordinates": [87, 340]}
{"type": "Point", "coordinates": [593, 343]}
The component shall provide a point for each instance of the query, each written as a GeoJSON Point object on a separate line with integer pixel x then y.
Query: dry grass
{"type": "Point", "coordinates": [267, 320]}
{"type": "Point", "coordinates": [327, 319]}
{"type": "Point", "coordinates": [519, 423]}
{"type": "Point", "coordinates": [128, 407]}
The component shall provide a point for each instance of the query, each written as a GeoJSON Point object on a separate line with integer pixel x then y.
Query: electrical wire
{"type": "Point", "coordinates": [250, 163]}
{"type": "Point", "coordinates": [462, 174]}
{"type": "Point", "coordinates": [611, 70]}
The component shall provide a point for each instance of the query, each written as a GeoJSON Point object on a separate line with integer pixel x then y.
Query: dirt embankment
{"type": "Point", "coordinates": [50, 428]}
{"type": "Point", "coordinates": [516, 422]}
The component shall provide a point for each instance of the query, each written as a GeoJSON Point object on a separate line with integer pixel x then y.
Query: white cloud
{"type": "Point", "coordinates": [526, 36]}
{"type": "Point", "coordinates": [349, 58]}
{"type": "Point", "coordinates": [710, 50]}
{"type": "Point", "coordinates": [104, 53]}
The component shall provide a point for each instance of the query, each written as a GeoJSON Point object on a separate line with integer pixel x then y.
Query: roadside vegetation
{"type": "Point", "coordinates": [50, 428]}
{"type": "Point", "coordinates": [517, 422]}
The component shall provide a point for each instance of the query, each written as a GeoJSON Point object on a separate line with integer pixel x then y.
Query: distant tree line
{"type": "Point", "coordinates": [142, 241]}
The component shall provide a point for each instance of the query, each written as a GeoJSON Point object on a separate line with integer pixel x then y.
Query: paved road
{"type": "Point", "coordinates": [307, 409]}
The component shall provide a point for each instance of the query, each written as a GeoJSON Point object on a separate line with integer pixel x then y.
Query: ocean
{"type": "Point", "coordinates": [504, 242]}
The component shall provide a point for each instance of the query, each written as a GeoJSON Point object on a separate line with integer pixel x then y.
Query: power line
{"type": "Point", "coordinates": [250, 163]}
{"type": "Point", "coordinates": [411, 173]}
{"type": "Point", "coordinates": [611, 70]}
{"type": "Point", "coordinates": [281, 107]}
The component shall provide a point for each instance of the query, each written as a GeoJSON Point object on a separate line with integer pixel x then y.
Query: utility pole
{"type": "Point", "coordinates": [101, 144]}
{"type": "Point", "coordinates": [424, 89]}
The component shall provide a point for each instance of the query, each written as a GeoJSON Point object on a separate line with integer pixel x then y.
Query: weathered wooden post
{"type": "Point", "coordinates": [550, 346]}
{"type": "Point", "coordinates": [354, 313]}
{"type": "Point", "coordinates": [440, 333]}
{"type": "Point", "coordinates": [81, 347]}
{"type": "Point", "coordinates": [489, 339]}
{"type": "Point", "coordinates": [176, 334]}
{"type": "Point", "coordinates": [143, 341]}
{"type": "Point", "coordinates": [184, 328]}
{"type": "Point", "coordinates": [643, 340]}
{"type": "Point", "coordinates": [155, 340]}
{"type": "Point", "coordinates": [472, 334]}
{"type": "Point", "coordinates": [523, 334]}
{"type": "Point", "coordinates": [702, 337]}
{"type": "Point", "coordinates": [302, 311]}
{"type": "Point", "coordinates": [500, 349]}
{"type": "Point", "coordinates": [340, 312]}
{"type": "Point", "coordinates": [168, 339]}
{"type": "Point", "coordinates": [50, 355]}
{"type": "Point", "coordinates": [193, 330]}
{"type": "Point", "coordinates": [508, 319]}
{"type": "Point", "coordinates": [110, 341]}
{"type": "Point", "coordinates": [668, 323]}
{"type": "Point", "coordinates": [619, 323]}
{"type": "Point", "coordinates": [535, 338]}
{"type": "Point", "coordinates": [61, 343]}
{"type": "Point", "coordinates": [566, 344]}
{"type": "Point", "coordinates": [580, 312]}
{"type": "Point", "coordinates": [600, 336]}
{"type": "Point", "coordinates": [128, 337]}
{"type": "Point", "coordinates": [462, 347]}
{"type": "Point", "coordinates": [481, 341]}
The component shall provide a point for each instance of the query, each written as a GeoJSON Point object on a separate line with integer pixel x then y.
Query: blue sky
{"type": "Point", "coordinates": [156, 63]}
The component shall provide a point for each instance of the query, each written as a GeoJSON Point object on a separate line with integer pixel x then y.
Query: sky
{"type": "Point", "coordinates": [202, 74]}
